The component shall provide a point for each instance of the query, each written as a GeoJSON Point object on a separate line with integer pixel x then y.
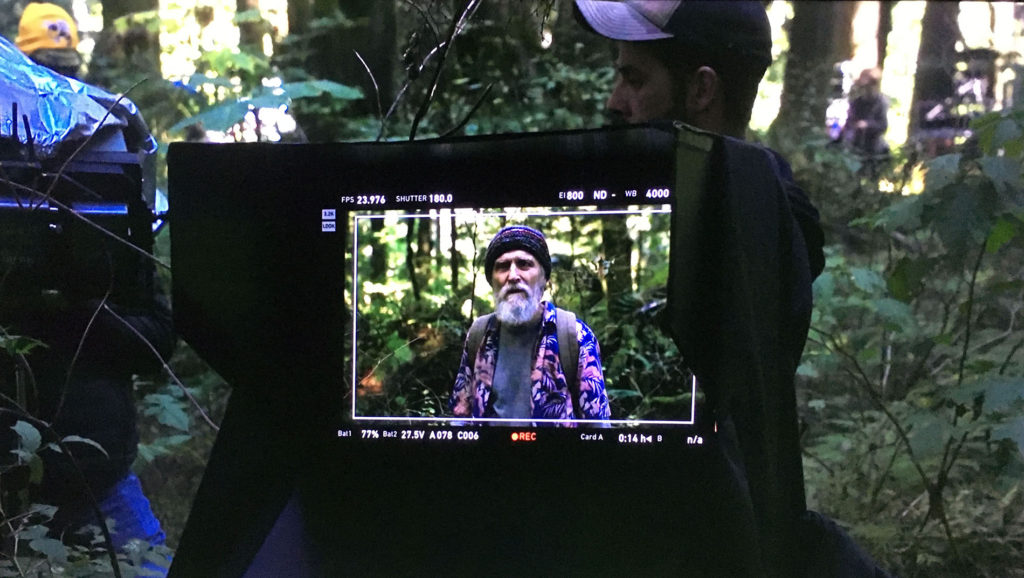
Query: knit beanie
{"type": "Point", "coordinates": [522, 238]}
{"type": "Point", "coordinates": [45, 26]}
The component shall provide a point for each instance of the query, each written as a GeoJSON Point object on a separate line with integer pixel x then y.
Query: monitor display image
{"type": "Point", "coordinates": [404, 365]}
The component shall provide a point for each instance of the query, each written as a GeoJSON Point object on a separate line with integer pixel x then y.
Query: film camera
{"type": "Point", "coordinates": [73, 225]}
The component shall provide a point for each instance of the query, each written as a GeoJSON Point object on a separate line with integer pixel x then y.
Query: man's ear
{"type": "Point", "coordinates": [703, 90]}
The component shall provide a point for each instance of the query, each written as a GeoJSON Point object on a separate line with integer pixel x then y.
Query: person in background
{"type": "Point", "coordinates": [867, 118]}
{"type": "Point", "coordinates": [49, 36]}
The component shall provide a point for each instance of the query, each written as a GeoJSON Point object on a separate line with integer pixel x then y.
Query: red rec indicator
{"type": "Point", "coordinates": [524, 436]}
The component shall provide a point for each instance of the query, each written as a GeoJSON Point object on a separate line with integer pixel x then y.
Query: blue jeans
{"type": "Point", "coordinates": [131, 518]}
{"type": "Point", "coordinates": [128, 507]}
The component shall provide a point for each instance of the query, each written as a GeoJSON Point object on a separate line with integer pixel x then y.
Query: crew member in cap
{"type": "Point", "coordinates": [700, 62]}
{"type": "Point", "coordinates": [48, 35]}
{"type": "Point", "coordinates": [529, 359]}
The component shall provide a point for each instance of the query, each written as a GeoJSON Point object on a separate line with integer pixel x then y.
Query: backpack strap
{"type": "Point", "coordinates": [476, 335]}
{"type": "Point", "coordinates": [569, 354]}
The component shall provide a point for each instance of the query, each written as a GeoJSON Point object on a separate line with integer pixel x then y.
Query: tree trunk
{"type": "Point", "coordinates": [812, 54]}
{"type": "Point", "coordinates": [936, 60]}
{"type": "Point", "coordinates": [842, 27]}
{"type": "Point", "coordinates": [374, 37]}
{"type": "Point", "coordinates": [884, 28]}
{"type": "Point", "coordinates": [135, 49]}
{"type": "Point", "coordinates": [250, 34]}
{"type": "Point", "coordinates": [300, 12]}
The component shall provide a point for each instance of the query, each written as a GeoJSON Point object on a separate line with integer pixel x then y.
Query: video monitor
{"type": "Point", "coordinates": [396, 237]}
{"type": "Point", "coordinates": [337, 287]}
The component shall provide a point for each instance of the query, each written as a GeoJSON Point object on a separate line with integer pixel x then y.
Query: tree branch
{"type": "Point", "coordinates": [456, 27]}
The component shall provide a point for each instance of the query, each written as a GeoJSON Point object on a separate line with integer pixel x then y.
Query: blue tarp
{"type": "Point", "coordinates": [60, 109]}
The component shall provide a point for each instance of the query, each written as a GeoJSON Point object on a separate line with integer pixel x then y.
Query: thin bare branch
{"type": "Point", "coordinates": [376, 87]}
{"type": "Point", "coordinates": [81, 344]}
{"type": "Point", "coordinates": [471, 112]}
{"type": "Point", "coordinates": [166, 367]}
{"type": "Point", "coordinates": [456, 28]}
{"type": "Point", "coordinates": [970, 310]}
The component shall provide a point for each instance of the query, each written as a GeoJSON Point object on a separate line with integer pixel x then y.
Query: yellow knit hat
{"type": "Point", "coordinates": [46, 26]}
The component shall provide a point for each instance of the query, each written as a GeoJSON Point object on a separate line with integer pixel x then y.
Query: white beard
{"type": "Point", "coordinates": [517, 308]}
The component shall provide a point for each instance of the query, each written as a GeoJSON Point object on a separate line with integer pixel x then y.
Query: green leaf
{"type": "Point", "coordinates": [228, 60]}
{"type": "Point", "coordinates": [824, 286]}
{"type": "Point", "coordinates": [907, 277]}
{"type": "Point", "coordinates": [942, 171]}
{"type": "Point", "coordinates": [400, 349]}
{"type": "Point", "coordinates": [220, 117]}
{"type": "Point", "coordinates": [314, 88]}
{"type": "Point", "coordinates": [964, 220]}
{"type": "Point", "coordinates": [1000, 392]}
{"type": "Point", "coordinates": [1006, 131]}
{"type": "Point", "coordinates": [54, 550]}
{"type": "Point", "coordinates": [904, 214]}
{"type": "Point", "coordinates": [168, 410]}
{"type": "Point", "coordinates": [19, 344]}
{"type": "Point", "coordinates": [1004, 231]}
{"type": "Point", "coordinates": [1012, 430]}
{"type": "Point", "coordinates": [29, 435]}
{"type": "Point", "coordinates": [45, 510]}
{"type": "Point", "coordinates": [928, 434]}
{"type": "Point", "coordinates": [268, 99]}
{"type": "Point", "coordinates": [198, 80]}
{"type": "Point", "coordinates": [623, 393]}
{"type": "Point", "coordinates": [86, 441]}
{"type": "Point", "coordinates": [897, 314]}
{"type": "Point", "coordinates": [1004, 172]}
{"type": "Point", "coordinates": [33, 532]}
{"type": "Point", "coordinates": [867, 280]}
{"type": "Point", "coordinates": [807, 370]}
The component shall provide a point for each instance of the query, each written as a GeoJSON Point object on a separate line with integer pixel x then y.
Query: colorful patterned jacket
{"type": "Point", "coordinates": [551, 397]}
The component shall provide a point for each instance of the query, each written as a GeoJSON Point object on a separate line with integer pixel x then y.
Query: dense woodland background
{"type": "Point", "coordinates": [912, 382]}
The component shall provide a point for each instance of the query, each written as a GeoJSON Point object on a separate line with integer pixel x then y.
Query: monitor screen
{"type": "Point", "coordinates": [408, 227]}
{"type": "Point", "coordinates": [417, 279]}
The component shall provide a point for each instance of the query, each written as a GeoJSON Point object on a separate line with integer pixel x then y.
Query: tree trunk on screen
{"type": "Point", "coordinates": [812, 55]}
{"type": "Point", "coordinates": [936, 59]}
{"type": "Point", "coordinates": [379, 257]}
{"type": "Point", "coordinates": [618, 251]}
{"type": "Point", "coordinates": [410, 257]}
{"type": "Point", "coordinates": [454, 255]}
{"type": "Point", "coordinates": [424, 247]}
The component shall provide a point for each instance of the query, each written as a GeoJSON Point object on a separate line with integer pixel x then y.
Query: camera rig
{"type": "Point", "coordinates": [64, 222]}
{"type": "Point", "coordinates": [76, 197]}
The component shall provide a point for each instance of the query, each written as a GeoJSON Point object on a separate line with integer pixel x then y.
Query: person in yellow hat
{"type": "Point", "coordinates": [49, 36]}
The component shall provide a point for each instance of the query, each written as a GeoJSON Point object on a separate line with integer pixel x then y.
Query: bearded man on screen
{"type": "Point", "coordinates": [529, 360]}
